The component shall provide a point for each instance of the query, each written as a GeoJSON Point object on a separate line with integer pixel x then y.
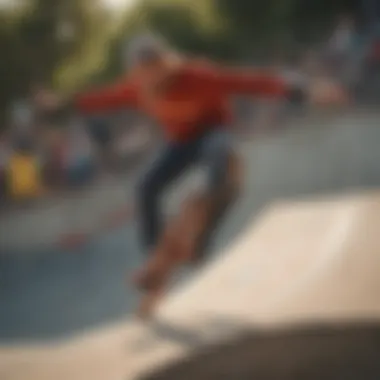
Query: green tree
{"type": "Point", "coordinates": [58, 42]}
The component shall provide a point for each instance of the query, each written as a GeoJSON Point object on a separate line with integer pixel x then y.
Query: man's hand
{"type": "Point", "coordinates": [327, 93]}
{"type": "Point", "coordinates": [47, 100]}
{"type": "Point", "coordinates": [316, 92]}
{"type": "Point", "coordinates": [53, 109]}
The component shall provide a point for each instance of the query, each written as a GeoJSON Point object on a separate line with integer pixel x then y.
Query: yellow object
{"type": "Point", "coordinates": [24, 178]}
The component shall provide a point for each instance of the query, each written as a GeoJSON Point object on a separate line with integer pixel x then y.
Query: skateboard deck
{"type": "Point", "coordinates": [186, 239]}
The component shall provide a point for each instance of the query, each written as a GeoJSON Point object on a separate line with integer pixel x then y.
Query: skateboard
{"type": "Point", "coordinates": [186, 239]}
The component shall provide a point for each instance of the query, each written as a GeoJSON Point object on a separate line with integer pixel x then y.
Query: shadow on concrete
{"type": "Point", "coordinates": [329, 352]}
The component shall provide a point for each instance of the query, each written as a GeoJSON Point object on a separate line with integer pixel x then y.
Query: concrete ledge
{"type": "Point", "coordinates": [302, 263]}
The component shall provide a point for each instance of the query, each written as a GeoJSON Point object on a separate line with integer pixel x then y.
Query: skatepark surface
{"type": "Point", "coordinates": [300, 248]}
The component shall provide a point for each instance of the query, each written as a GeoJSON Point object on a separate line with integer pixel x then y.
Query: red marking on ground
{"type": "Point", "coordinates": [119, 217]}
{"type": "Point", "coordinates": [116, 219]}
{"type": "Point", "coordinates": [73, 240]}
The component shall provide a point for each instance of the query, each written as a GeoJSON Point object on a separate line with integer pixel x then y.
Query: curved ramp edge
{"type": "Point", "coordinates": [300, 262]}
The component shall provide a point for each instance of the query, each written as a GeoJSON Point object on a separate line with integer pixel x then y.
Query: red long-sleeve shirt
{"type": "Point", "coordinates": [196, 99]}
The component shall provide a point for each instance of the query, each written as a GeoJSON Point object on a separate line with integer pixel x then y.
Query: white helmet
{"type": "Point", "coordinates": [145, 47]}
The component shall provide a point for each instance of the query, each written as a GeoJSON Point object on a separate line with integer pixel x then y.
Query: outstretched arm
{"type": "Point", "coordinates": [54, 108]}
{"type": "Point", "coordinates": [251, 82]}
{"type": "Point", "coordinates": [107, 99]}
{"type": "Point", "coordinates": [287, 85]}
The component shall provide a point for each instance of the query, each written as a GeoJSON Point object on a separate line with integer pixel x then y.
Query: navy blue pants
{"type": "Point", "coordinates": [211, 150]}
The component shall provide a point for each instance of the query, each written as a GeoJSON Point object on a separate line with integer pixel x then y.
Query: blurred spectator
{"type": "Point", "coordinates": [100, 130]}
{"type": "Point", "coordinates": [22, 122]}
{"type": "Point", "coordinates": [54, 146]}
{"type": "Point", "coordinates": [340, 45]}
{"type": "Point", "coordinates": [366, 68]}
{"type": "Point", "coordinates": [4, 157]}
{"type": "Point", "coordinates": [373, 59]}
{"type": "Point", "coordinates": [43, 100]}
{"type": "Point", "coordinates": [132, 145]}
{"type": "Point", "coordinates": [79, 156]}
{"type": "Point", "coordinates": [24, 177]}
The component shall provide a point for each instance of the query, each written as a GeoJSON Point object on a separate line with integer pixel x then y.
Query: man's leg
{"type": "Point", "coordinates": [164, 169]}
{"type": "Point", "coordinates": [216, 154]}
{"type": "Point", "coordinates": [185, 234]}
{"type": "Point", "coordinates": [216, 148]}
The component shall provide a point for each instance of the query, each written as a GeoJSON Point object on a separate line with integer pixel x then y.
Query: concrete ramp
{"type": "Point", "coordinates": [300, 263]}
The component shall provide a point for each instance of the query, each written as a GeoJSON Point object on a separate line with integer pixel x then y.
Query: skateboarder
{"type": "Point", "coordinates": [189, 99]}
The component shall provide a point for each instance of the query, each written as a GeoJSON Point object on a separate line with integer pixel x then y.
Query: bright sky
{"type": "Point", "coordinates": [120, 3]}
